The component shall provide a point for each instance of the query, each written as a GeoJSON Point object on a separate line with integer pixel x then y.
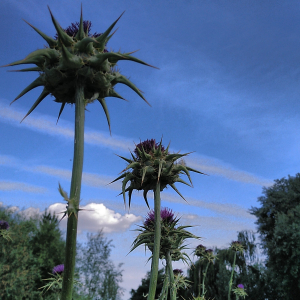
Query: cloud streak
{"type": "Point", "coordinates": [8, 186]}
{"type": "Point", "coordinates": [45, 124]}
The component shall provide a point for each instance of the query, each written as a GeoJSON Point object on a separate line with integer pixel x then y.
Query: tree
{"type": "Point", "coordinates": [100, 277]}
{"type": "Point", "coordinates": [278, 221]}
{"type": "Point", "coordinates": [249, 271]}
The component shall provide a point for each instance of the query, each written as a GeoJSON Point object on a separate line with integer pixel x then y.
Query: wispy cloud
{"type": "Point", "coordinates": [20, 186]}
{"type": "Point", "coordinates": [46, 124]}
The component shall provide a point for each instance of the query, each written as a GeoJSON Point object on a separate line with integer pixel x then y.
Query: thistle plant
{"type": "Point", "coordinates": [204, 255]}
{"type": "Point", "coordinates": [4, 226]}
{"type": "Point", "coordinates": [171, 245]}
{"type": "Point", "coordinates": [75, 68]}
{"type": "Point", "coordinates": [235, 246]}
{"type": "Point", "coordinates": [153, 168]}
{"type": "Point", "coordinates": [239, 291]}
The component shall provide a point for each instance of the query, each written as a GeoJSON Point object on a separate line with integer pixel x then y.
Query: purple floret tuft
{"type": "Point", "coordinates": [241, 286]}
{"type": "Point", "coordinates": [148, 146]}
{"type": "Point", "coordinates": [4, 225]}
{"type": "Point", "coordinates": [177, 271]}
{"type": "Point", "coordinates": [58, 269]}
{"type": "Point", "coordinates": [166, 215]}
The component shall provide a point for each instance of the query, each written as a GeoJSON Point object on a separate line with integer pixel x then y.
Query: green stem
{"type": "Point", "coordinates": [164, 291]}
{"type": "Point", "coordinates": [69, 265]}
{"type": "Point", "coordinates": [171, 276]}
{"type": "Point", "coordinates": [204, 275]}
{"type": "Point", "coordinates": [231, 277]}
{"type": "Point", "coordinates": [156, 248]}
{"type": "Point", "coordinates": [199, 279]}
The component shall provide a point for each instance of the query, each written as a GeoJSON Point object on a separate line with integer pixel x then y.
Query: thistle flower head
{"type": "Point", "coordinates": [58, 269]}
{"type": "Point", "coordinates": [4, 225]}
{"type": "Point", "coordinates": [177, 271]}
{"type": "Point", "coordinates": [76, 57]}
{"type": "Point", "coordinates": [236, 246]}
{"type": "Point", "coordinates": [153, 163]}
{"type": "Point", "coordinates": [200, 250]}
{"type": "Point", "coordinates": [240, 286]}
{"type": "Point", "coordinates": [172, 237]}
{"type": "Point", "coordinates": [239, 291]}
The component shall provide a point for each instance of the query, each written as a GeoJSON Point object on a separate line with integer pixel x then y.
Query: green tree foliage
{"type": "Point", "coordinates": [278, 221]}
{"type": "Point", "coordinates": [19, 269]}
{"type": "Point", "coordinates": [99, 275]}
{"type": "Point", "coordinates": [249, 271]}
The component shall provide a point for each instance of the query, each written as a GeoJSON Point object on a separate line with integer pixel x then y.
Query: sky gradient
{"type": "Point", "coordinates": [227, 89]}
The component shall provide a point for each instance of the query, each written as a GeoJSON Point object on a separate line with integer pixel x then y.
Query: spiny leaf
{"type": "Point", "coordinates": [38, 69]}
{"type": "Point", "coordinates": [104, 106]}
{"type": "Point", "coordinates": [63, 37]}
{"type": "Point", "coordinates": [51, 42]}
{"type": "Point", "coordinates": [122, 79]}
{"type": "Point", "coordinates": [183, 169]}
{"type": "Point", "coordinates": [193, 170]}
{"type": "Point", "coordinates": [80, 33]}
{"type": "Point", "coordinates": [126, 159]}
{"type": "Point", "coordinates": [182, 181]}
{"type": "Point", "coordinates": [61, 110]}
{"type": "Point", "coordinates": [69, 61]}
{"type": "Point", "coordinates": [120, 177]}
{"type": "Point", "coordinates": [176, 190]}
{"type": "Point", "coordinates": [63, 193]}
{"type": "Point", "coordinates": [102, 39]}
{"type": "Point", "coordinates": [113, 93]}
{"type": "Point", "coordinates": [128, 177]}
{"type": "Point", "coordinates": [145, 197]}
{"type": "Point", "coordinates": [41, 97]}
{"type": "Point", "coordinates": [83, 45]}
{"type": "Point", "coordinates": [38, 82]}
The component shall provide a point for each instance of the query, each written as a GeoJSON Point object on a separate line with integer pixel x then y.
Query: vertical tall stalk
{"type": "Point", "coordinates": [171, 276]}
{"type": "Point", "coordinates": [156, 247]}
{"type": "Point", "coordinates": [203, 279]}
{"type": "Point", "coordinates": [231, 277]}
{"type": "Point", "coordinates": [73, 205]}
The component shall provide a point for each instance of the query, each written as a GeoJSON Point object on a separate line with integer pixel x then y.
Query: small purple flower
{"type": "Point", "coordinates": [148, 146]}
{"type": "Point", "coordinates": [177, 271]}
{"type": "Point", "coordinates": [166, 215]}
{"type": "Point", "coordinates": [4, 225]}
{"type": "Point", "coordinates": [58, 269]}
{"type": "Point", "coordinates": [240, 286]}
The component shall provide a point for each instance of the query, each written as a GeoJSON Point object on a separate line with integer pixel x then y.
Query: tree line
{"type": "Point", "coordinates": [277, 277]}
{"type": "Point", "coordinates": [36, 246]}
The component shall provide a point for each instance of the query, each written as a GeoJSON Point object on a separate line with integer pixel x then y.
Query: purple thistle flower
{"type": "Point", "coordinates": [4, 225]}
{"type": "Point", "coordinates": [58, 269]}
{"type": "Point", "coordinates": [209, 251]}
{"type": "Point", "coordinates": [240, 286]}
{"type": "Point", "coordinates": [177, 271]}
{"type": "Point", "coordinates": [148, 146]}
{"type": "Point", "coordinates": [166, 215]}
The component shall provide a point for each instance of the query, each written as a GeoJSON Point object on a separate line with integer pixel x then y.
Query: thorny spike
{"type": "Point", "coordinates": [31, 86]}
{"type": "Point", "coordinates": [38, 69]}
{"type": "Point", "coordinates": [110, 36]}
{"type": "Point", "coordinates": [145, 197]}
{"type": "Point", "coordinates": [51, 42]}
{"type": "Point", "coordinates": [102, 38]}
{"type": "Point", "coordinates": [104, 106]}
{"type": "Point", "coordinates": [120, 177]}
{"type": "Point", "coordinates": [61, 110]}
{"type": "Point", "coordinates": [80, 33]}
{"type": "Point", "coordinates": [167, 149]}
{"type": "Point", "coordinates": [132, 58]}
{"type": "Point", "coordinates": [129, 196]}
{"type": "Point", "coordinates": [69, 61]}
{"type": "Point", "coordinates": [185, 170]}
{"type": "Point", "coordinates": [159, 169]}
{"type": "Point", "coordinates": [193, 170]}
{"type": "Point", "coordinates": [63, 193]}
{"type": "Point", "coordinates": [65, 39]}
{"type": "Point", "coordinates": [126, 179]}
{"type": "Point", "coordinates": [113, 93]}
{"type": "Point", "coordinates": [176, 190]}
{"type": "Point", "coordinates": [182, 181]}
{"type": "Point", "coordinates": [124, 80]}
{"type": "Point", "coordinates": [126, 159]}
{"type": "Point", "coordinates": [41, 97]}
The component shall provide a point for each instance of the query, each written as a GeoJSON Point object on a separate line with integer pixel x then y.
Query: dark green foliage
{"type": "Point", "coordinates": [278, 221]}
{"type": "Point", "coordinates": [48, 247]}
{"type": "Point", "coordinates": [249, 271]}
{"type": "Point", "coordinates": [97, 272]}
{"type": "Point", "coordinates": [19, 269]}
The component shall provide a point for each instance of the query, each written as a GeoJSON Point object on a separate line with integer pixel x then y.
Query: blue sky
{"type": "Point", "coordinates": [227, 88]}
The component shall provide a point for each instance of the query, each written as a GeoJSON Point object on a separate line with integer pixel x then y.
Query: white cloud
{"type": "Point", "coordinates": [20, 186]}
{"type": "Point", "coordinates": [98, 216]}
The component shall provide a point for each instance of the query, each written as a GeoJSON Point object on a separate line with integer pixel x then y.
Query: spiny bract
{"type": "Point", "coordinates": [77, 59]}
{"type": "Point", "coordinates": [172, 236]}
{"type": "Point", "coordinates": [150, 165]}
